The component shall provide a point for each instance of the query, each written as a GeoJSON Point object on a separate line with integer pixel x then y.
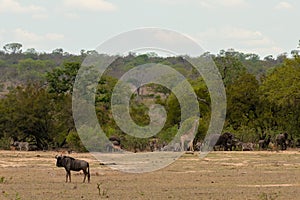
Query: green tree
{"type": "Point", "coordinates": [242, 101]}
{"type": "Point", "coordinates": [13, 48]}
{"type": "Point", "coordinates": [280, 94]}
{"type": "Point", "coordinates": [61, 79]}
{"type": "Point", "coordinates": [229, 67]}
{"type": "Point", "coordinates": [28, 112]}
{"type": "Point", "coordinates": [32, 112]}
{"type": "Point", "coordinates": [103, 101]}
{"type": "Point", "coordinates": [282, 86]}
{"type": "Point", "coordinates": [31, 51]}
{"type": "Point", "coordinates": [58, 51]}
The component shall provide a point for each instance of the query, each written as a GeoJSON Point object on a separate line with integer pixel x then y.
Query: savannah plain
{"type": "Point", "coordinates": [262, 175]}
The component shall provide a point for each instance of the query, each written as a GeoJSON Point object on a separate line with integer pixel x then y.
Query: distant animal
{"type": "Point", "coordinates": [281, 140]}
{"type": "Point", "coordinates": [247, 146]}
{"type": "Point", "coordinates": [189, 137]}
{"type": "Point", "coordinates": [21, 145]}
{"type": "Point", "coordinates": [109, 147]}
{"type": "Point", "coordinates": [226, 141]}
{"type": "Point", "coordinates": [235, 143]}
{"type": "Point", "coordinates": [172, 147]}
{"type": "Point", "coordinates": [113, 147]}
{"type": "Point", "coordinates": [115, 143]}
{"type": "Point", "coordinates": [191, 146]}
{"type": "Point", "coordinates": [115, 139]}
{"type": "Point", "coordinates": [153, 144]}
{"type": "Point", "coordinates": [264, 142]}
{"type": "Point", "coordinates": [198, 146]}
{"type": "Point", "coordinates": [72, 164]}
{"type": "Point", "coordinates": [297, 143]}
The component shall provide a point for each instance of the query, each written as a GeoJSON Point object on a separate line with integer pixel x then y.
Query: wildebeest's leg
{"type": "Point", "coordinates": [68, 174]}
{"type": "Point", "coordinates": [88, 170]}
{"type": "Point", "coordinates": [85, 173]}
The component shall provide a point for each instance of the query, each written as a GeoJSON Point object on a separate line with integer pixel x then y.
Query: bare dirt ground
{"type": "Point", "coordinates": [220, 175]}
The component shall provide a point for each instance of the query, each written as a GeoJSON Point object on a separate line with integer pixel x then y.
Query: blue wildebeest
{"type": "Point", "coordinates": [225, 140]}
{"type": "Point", "coordinates": [281, 140]}
{"type": "Point", "coordinates": [72, 164]}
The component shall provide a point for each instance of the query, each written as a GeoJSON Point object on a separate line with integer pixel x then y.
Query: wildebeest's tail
{"type": "Point", "coordinates": [88, 171]}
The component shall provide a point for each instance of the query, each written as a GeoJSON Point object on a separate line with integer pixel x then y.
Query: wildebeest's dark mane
{"type": "Point", "coordinates": [69, 157]}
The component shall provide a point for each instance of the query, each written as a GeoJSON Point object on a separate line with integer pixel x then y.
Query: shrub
{"type": "Point", "coordinates": [5, 143]}
{"type": "Point", "coordinates": [74, 142]}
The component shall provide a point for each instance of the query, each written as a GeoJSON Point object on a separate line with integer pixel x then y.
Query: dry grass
{"type": "Point", "coordinates": [221, 175]}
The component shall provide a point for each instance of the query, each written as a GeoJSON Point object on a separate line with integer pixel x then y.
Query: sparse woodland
{"type": "Point", "coordinates": [263, 96]}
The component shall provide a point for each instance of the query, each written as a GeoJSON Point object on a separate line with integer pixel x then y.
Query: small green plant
{"type": "Point", "coordinates": [5, 194]}
{"type": "Point", "coordinates": [104, 191]}
{"type": "Point", "coordinates": [18, 196]}
{"type": "Point", "coordinates": [2, 179]}
{"type": "Point", "coordinates": [99, 188]}
{"type": "Point", "coordinates": [265, 196]}
{"type": "Point", "coordinates": [141, 193]}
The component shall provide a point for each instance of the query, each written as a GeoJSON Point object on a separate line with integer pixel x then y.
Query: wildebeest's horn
{"type": "Point", "coordinates": [56, 156]}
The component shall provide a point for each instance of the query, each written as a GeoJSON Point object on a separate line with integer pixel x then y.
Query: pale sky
{"type": "Point", "coordinates": [251, 26]}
